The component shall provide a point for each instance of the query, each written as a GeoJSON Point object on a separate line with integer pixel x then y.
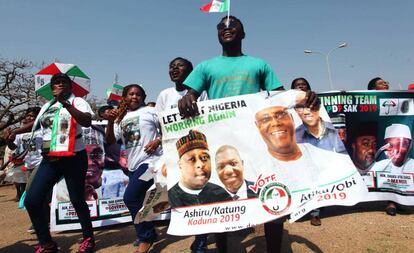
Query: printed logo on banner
{"type": "Point", "coordinates": [275, 198]}
{"type": "Point", "coordinates": [40, 81]}
{"type": "Point", "coordinates": [394, 106]}
{"type": "Point", "coordinates": [388, 107]}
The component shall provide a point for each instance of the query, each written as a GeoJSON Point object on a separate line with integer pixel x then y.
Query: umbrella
{"type": "Point", "coordinates": [80, 81]}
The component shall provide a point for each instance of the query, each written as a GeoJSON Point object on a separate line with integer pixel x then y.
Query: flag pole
{"type": "Point", "coordinates": [228, 15]}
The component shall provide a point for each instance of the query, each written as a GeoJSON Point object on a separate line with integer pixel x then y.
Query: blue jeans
{"type": "Point", "coordinates": [73, 169]}
{"type": "Point", "coordinates": [134, 197]}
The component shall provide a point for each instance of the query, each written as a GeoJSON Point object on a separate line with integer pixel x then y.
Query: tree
{"type": "Point", "coordinates": [17, 91]}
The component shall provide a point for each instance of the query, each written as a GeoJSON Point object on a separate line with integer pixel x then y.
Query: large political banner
{"type": "Point", "coordinates": [246, 160]}
{"type": "Point", "coordinates": [104, 188]}
{"type": "Point", "coordinates": [377, 128]}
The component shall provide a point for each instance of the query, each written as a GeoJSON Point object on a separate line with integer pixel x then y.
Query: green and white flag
{"type": "Point", "coordinates": [216, 6]}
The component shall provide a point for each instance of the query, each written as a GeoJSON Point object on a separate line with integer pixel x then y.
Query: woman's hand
{"type": "Point", "coordinates": [152, 146]}
{"type": "Point", "coordinates": [60, 92]}
{"type": "Point", "coordinates": [112, 115]}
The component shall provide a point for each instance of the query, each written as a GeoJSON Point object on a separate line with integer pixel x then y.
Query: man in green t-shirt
{"type": "Point", "coordinates": [231, 74]}
{"type": "Point", "coordinates": [225, 76]}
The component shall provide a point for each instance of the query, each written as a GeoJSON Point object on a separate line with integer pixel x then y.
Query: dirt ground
{"type": "Point", "coordinates": [362, 228]}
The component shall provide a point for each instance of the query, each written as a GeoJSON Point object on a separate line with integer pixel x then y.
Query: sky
{"type": "Point", "coordinates": [137, 39]}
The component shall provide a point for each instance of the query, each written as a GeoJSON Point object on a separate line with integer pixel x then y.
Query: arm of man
{"type": "Point", "coordinates": [196, 83]}
{"type": "Point", "coordinates": [271, 82]}
{"type": "Point", "coordinates": [187, 105]}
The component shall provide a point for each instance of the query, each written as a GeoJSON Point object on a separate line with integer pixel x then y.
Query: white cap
{"type": "Point", "coordinates": [397, 131]}
{"type": "Point", "coordinates": [284, 98]}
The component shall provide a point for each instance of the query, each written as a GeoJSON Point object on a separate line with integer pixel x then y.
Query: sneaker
{"type": "Point", "coordinates": [50, 247]}
{"type": "Point", "coordinates": [31, 230]}
{"type": "Point", "coordinates": [87, 245]}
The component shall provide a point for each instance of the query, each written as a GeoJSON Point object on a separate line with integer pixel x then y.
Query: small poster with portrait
{"type": "Point", "coordinates": [246, 160]}
{"type": "Point", "coordinates": [132, 134]}
{"type": "Point", "coordinates": [105, 184]}
{"type": "Point", "coordinates": [377, 129]}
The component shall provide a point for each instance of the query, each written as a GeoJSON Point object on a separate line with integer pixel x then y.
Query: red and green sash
{"type": "Point", "coordinates": [64, 126]}
{"type": "Point", "coordinates": [63, 138]}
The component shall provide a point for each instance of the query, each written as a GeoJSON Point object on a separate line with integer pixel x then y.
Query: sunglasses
{"type": "Point", "coordinates": [222, 25]}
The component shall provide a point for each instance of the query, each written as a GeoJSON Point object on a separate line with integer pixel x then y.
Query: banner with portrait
{"type": "Point", "coordinates": [240, 163]}
{"type": "Point", "coordinates": [377, 129]}
{"type": "Point", "coordinates": [104, 187]}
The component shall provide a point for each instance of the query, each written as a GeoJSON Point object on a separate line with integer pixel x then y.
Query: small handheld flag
{"type": "Point", "coordinates": [217, 6]}
{"type": "Point", "coordinates": [115, 93]}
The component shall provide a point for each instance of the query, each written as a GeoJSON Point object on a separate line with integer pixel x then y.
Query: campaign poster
{"type": "Point", "coordinates": [377, 129]}
{"type": "Point", "coordinates": [156, 205]}
{"type": "Point", "coordinates": [104, 186]}
{"type": "Point", "coordinates": [250, 159]}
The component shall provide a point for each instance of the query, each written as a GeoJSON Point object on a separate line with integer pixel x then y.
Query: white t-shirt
{"type": "Point", "coordinates": [46, 121]}
{"type": "Point", "coordinates": [168, 98]}
{"type": "Point", "coordinates": [33, 156]}
{"type": "Point", "coordinates": [316, 165]}
{"type": "Point", "coordinates": [136, 130]}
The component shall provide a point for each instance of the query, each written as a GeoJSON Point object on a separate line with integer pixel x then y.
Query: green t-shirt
{"type": "Point", "coordinates": [231, 76]}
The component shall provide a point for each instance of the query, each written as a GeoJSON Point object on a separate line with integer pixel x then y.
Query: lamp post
{"type": "Point", "coordinates": [327, 59]}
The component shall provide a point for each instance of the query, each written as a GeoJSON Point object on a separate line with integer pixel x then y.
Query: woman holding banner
{"type": "Point", "coordinates": [60, 122]}
{"type": "Point", "coordinates": [138, 127]}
